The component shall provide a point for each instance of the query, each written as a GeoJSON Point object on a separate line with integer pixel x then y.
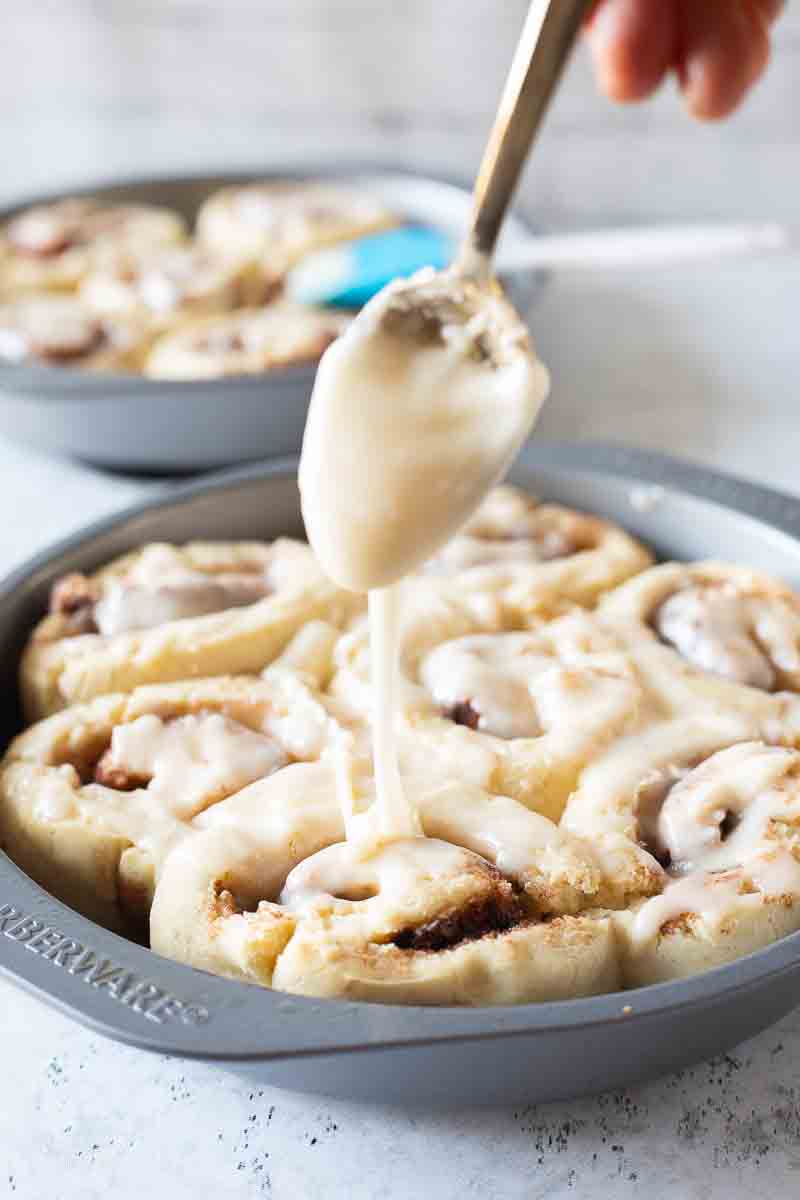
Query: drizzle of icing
{"type": "Point", "coordinates": [417, 411]}
{"type": "Point", "coordinates": [193, 758]}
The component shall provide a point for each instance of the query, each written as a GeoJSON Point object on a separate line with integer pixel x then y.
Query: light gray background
{"type": "Point", "coordinates": [702, 361]}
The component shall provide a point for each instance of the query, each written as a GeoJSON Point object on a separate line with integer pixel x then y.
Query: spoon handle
{"type": "Point", "coordinates": [547, 37]}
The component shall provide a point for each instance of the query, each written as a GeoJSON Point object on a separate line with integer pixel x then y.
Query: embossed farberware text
{"type": "Point", "coordinates": [117, 982]}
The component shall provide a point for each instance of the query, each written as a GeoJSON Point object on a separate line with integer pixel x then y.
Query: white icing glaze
{"type": "Point", "coordinates": [713, 628]}
{"type": "Point", "coordinates": [283, 220]}
{"type": "Point", "coordinates": [55, 797]}
{"type": "Point", "coordinates": [744, 637]}
{"type": "Point", "coordinates": [195, 758]}
{"type": "Point", "coordinates": [397, 816]}
{"type": "Point", "coordinates": [310, 653]}
{"type": "Point", "coordinates": [341, 872]}
{"type": "Point", "coordinates": [298, 718]}
{"type": "Point", "coordinates": [505, 529]}
{"type": "Point", "coordinates": [777, 628]}
{"type": "Point", "coordinates": [50, 326]}
{"type": "Point", "coordinates": [523, 845]}
{"type": "Point", "coordinates": [465, 551]}
{"type": "Point", "coordinates": [41, 230]}
{"type": "Point", "coordinates": [295, 213]}
{"type": "Point", "coordinates": [182, 274]}
{"type": "Point", "coordinates": [160, 588]}
{"type": "Point", "coordinates": [492, 673]}
{"type": "Point", "coordinates": [718, 874]}
{"type": "Point", "coordinates": [753, 783]}
{"type": "Point", "coordinates": [562, 682]}
{"type": "Point", "coordinates": [716, 897]}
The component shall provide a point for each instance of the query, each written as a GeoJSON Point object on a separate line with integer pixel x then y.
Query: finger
{"type": "Point", "coordinates": [771, 9]}
{"type": "Point", "coordinates": [725, 47]}
{"type": "Point", "coordinates": [633, 44]}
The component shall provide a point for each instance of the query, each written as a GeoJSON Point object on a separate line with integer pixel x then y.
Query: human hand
{"type": "Point", "coordinates": [717, 49]}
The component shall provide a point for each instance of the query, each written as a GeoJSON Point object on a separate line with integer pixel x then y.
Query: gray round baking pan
{"type": "Point", "coordinates": [529, 1053]}
{"type": "Point", "coordinates": [131, 423]}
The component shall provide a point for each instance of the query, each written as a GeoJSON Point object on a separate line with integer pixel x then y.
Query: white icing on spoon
{"type": "Point", "coordinates": [418, 409]}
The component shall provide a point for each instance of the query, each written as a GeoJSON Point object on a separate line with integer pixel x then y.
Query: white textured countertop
{"type": "Point", "coordinates": [704, 363]}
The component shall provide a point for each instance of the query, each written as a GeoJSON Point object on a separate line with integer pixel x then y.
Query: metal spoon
{"type": "Point", "coordinates": [421, 306]}
{"type": "Point", "coordinates": [547, 38]}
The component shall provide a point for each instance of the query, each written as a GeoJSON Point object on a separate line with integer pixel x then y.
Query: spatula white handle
{"type": "Point", "coordinates": [648, 246]}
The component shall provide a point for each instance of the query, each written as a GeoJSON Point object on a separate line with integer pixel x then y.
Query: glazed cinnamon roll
{"type": "Point", "coordinates": [515, 713]}
{"type": "Point", "coordinates": [723, 620]}
{"type": "Point", "coordinates": [490, 908]}
{"type": "Point", "coordinates": [622, 789]}
{"type": "Point", "coordinates": [93, 799]}
{"type": "Point", "coordinates": [729, 830]}
{"type": "Point", "coordinates": [537, 558]}
{"type": "Point", "coordinates": [167, 612]}
{"type": "Point", "coordinates": [174, 284]}
{"type": "Point", "coordinates": [58, 331]}
{"type": "Point", "coordinates": [53, 246]}
{"type": "Point", "coordinates": [282, 220]}
{"type": "Point", "coordinates": [246, 342]}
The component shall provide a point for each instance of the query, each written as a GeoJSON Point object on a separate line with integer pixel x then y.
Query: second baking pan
{"type": "Point", "coordinates": [163, 426]}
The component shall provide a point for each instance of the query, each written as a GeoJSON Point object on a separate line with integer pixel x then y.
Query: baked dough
{"type": "Point", "coordinates": [53, 246]}
{"type": "Point", "coordinates": [721, 814]}
{"type": "Point", "coordinates": [622, 790]}
{"type": "Point", "coordinates": [93, 799]}
{"type": "Point", "coordinates": [489, 908]}
{"type": "Point", "coordinates": [58, 331]}
{"type": "Point", "coordinates": [731, 830]}
{"type": "Point", "coordinates": [166, 613]}
{"type": "Point", "coordinates": [535, 558]}
{"type": "Point", "coordinates": [174, 284]}
{"type": "Point", "coordinates": [723, 620]}
{"type": "Point", "coordinates": [517, 713]}
{"type": "Point", "coordinates": [246, 342]}
{"type": "Point", "coordinates": [281, 221]}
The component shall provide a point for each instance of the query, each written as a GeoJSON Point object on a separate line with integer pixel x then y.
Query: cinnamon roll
{"type": "Point", "coordinates": [167, 612]}
{"type": "Point", "coordinates": [492, 907]}
{"type": "Point", "coordinates": [246, 342]}
{"type": "Point", "coordinates": [280, 221]}
{"type": "Point", "coordinates": [58, 331]}
{"type": "Point", "coordinates": [93, 799]}
{"type": "Point", "coordinates": [52, 247]}
{"type": "Point", "coordinates": [729, 830]}
{"type": "Point", "coordinates": [622, 789]}
{"type": "Point", "coordinates": [517, 713]}
{"type": "Point", "coordinates": [725, 621]}
{"type": "Point", "coordinates": [174, 284]}
{"type": "Point", "coordinates": [537, 558]}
